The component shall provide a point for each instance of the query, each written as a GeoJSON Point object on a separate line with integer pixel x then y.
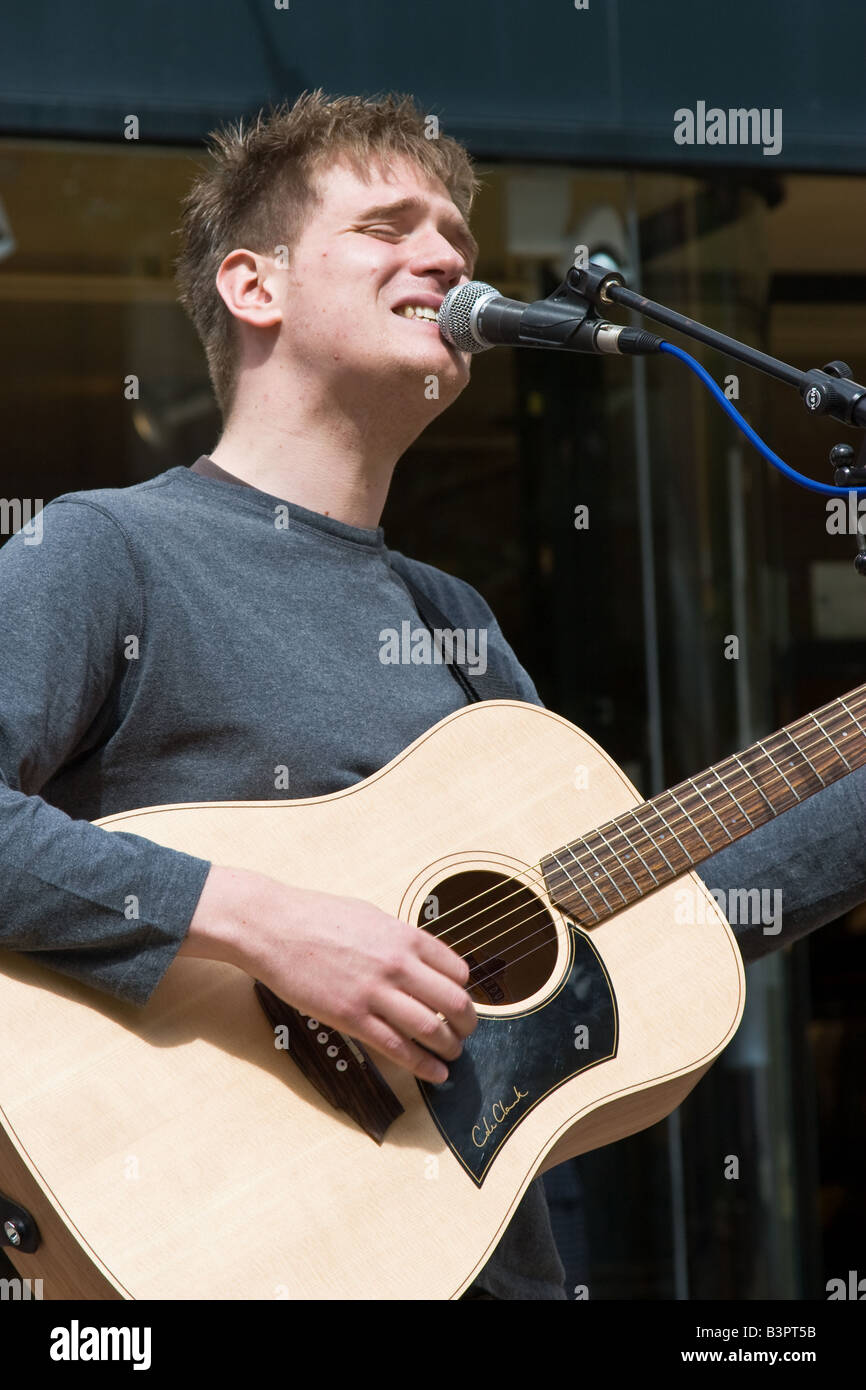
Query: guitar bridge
{"type": "Point", "coordinates": [338, 1066]}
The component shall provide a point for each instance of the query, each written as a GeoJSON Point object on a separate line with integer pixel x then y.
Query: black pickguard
{"type": "Point", "coordinates": [510, 1064]}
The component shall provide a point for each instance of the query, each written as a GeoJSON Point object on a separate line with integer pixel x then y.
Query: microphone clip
{"type": "Point", "coordinates": [568, 317]}
{"type": "Point", "coordinates": [591, 283]}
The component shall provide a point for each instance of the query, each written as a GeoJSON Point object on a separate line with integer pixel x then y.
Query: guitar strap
{"type": "Point", "coordinates": [492, 684]}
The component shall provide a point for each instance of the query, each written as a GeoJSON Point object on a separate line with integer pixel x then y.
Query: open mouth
{"type": "Point", "coordinates": [419, 313]}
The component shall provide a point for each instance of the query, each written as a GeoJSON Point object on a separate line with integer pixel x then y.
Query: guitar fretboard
{"type": "Point", "coordinates": [621, 861]}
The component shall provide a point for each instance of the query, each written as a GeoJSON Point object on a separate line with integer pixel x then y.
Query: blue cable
{"type": "Point", "coordinates": [750, 433]}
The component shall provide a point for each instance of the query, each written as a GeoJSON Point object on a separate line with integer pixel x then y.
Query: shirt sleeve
{"type": "Point", "coordinates": [808, 866]}
{"type": "Point", "coordinates": [107, 908]}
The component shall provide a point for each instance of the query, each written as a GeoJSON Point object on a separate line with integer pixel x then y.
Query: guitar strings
{"type": "Point", "coordinates": [531, 873]}
{"type": "Point", "coordinates": [535, 873]}
{"type": "Point", "coordinates": [608, 909]}
{"type": "Point", "coordinates": [526, 954]}
{"type": "Point", "coordinates": [542, 910]}
{"type": "Point", "coordinates": [685, 820]}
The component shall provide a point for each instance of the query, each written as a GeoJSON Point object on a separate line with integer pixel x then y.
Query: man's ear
{"type": "Point", "coordinates": [244, 282]}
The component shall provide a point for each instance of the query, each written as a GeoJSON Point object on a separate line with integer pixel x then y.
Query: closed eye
{"type": "Point", "coordinates": [395, 233]}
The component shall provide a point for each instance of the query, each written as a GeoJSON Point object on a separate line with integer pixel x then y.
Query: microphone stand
{"type": "Point", "coordinates": [825, 391]}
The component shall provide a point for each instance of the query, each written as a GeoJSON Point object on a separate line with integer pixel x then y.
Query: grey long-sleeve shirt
{"type": "Point", "coordinates": [181, 640]}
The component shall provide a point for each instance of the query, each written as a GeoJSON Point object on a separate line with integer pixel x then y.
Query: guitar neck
{"type": "Point", "coordinates": [621, 861]}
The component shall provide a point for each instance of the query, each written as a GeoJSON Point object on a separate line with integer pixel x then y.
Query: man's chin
{"type": "Point", "coordinates": [438, 375]}
{"type": "Point", "coordinates": [446, 384]}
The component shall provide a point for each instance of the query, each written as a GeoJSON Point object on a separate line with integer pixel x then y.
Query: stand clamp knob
{"type": "Point", "coordinates": [848, 474]}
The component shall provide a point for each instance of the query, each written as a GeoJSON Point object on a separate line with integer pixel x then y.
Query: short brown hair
{"type": "Point", "coordinates": [258, 189]}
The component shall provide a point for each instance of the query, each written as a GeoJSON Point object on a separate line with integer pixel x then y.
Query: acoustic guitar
{"type": "Point", "coordinates": [218, 1144]}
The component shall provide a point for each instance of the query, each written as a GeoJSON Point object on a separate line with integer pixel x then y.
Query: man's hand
{"type": "Point", "coordinates": [340, 960]}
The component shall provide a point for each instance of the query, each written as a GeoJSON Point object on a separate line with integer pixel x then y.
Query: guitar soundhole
{"type": "Point", "coordinates": [500, 928]}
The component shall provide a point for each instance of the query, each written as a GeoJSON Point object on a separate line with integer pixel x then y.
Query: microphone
{"type": "Point", "coordinates": [476, 317]}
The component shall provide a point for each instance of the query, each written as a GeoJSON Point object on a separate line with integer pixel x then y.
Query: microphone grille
{"type": "Point", "coordinates": [455, 315]}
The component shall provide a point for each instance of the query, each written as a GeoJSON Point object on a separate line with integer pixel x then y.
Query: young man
{"type": "Point", "coordinates": [177, 641]}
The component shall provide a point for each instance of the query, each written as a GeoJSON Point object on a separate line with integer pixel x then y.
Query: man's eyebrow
{"type": "Point", "coordinates": [460, 231]}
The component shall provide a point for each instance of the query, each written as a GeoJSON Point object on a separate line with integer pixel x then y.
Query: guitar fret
{"type": "Point", "coordinates": [622, 832]}
{"type": "Point", "coordinates": [779, 770]}
{"type": "Point", "coordinates": [712, 811]}
{"type": "Point", "coordinates": [692, 821]}
{"type": "Point", "coordinates": [621, 861]}
{"type": "Point", "coordinates": [592, 879]}
{"type": "Point", "coordinates": [653, 842]}
{"type": "Point", "coordinates": [740, 807]}
{"type": "Point", "coordinates": [805, 758]}
{"type": "Point", "coordinates": [725, 802]}
{"type": "Point", "coordinates": [853, 716]}
{"type": "Point", "coordinates": [832, 744]}
{"type": "Point", "coordinates": [670, 828]}
{"type": "Point", "coordinates": [574, 885]}
{"type": "Point", "coordinates": [760, 792]}
{"type": "Point", "coordinates": [582, 874]}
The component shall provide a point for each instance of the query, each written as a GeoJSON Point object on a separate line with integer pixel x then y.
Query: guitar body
{"type": "Point", "coordinates": [176, 1152]}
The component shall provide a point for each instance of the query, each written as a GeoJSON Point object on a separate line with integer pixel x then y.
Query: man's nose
{"type": "Point", "coordinates": [434, 255]}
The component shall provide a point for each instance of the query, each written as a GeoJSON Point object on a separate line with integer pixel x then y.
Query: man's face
{"type": "Point", "coordinates": [369, 251]}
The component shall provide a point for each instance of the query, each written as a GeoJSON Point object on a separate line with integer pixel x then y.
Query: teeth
{"type": "Point", "coordinates": [418, 311]}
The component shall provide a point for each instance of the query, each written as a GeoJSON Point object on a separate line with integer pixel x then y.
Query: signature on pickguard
{"type": "Point", "coordinates": [482, 1132]}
